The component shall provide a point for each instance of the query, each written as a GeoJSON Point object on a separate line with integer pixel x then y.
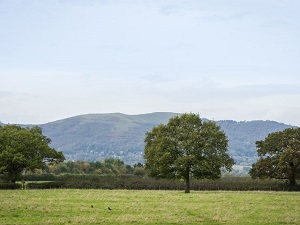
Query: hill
{"type": "Point", "coordinates": [94, 137]}
{"type": "Point", "coordinates": [243, 135]}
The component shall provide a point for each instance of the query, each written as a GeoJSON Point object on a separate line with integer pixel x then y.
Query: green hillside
{"type": "Point", "coordinates": [94, 137]}
{"type": "Point", "coordinates": [243, 135]}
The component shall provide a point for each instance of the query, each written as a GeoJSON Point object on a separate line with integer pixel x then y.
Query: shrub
{"type": "Point", "coordinates": [45, 185]}
{"type": "Point", "coordinates": [39, 177]}
{"type": "Point", "coordinates": [12, 186]}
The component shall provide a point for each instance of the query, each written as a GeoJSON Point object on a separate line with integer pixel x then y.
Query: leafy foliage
{"type": "Point", "coordinates": [186, 147]}
{"type": "Point", "coordinates": [24, 149]}
{"type": "Point", "coordinates": [279, 156]}
{"type": "Point", "coordinates": [12, 186]}
{"type": "Point", "coordinates": [109, 166]}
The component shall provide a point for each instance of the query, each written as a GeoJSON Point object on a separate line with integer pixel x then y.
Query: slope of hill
{"type": "Point", "coordinates": [243, 135]}
{"type": "Point", "coordinates": [94, 137]}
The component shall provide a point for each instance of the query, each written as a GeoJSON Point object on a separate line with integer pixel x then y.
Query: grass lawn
{"type": "Point", "coordinates": [148, 207]}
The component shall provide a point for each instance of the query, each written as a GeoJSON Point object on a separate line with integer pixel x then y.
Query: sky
{"type": "Point", "coordinates": [233, 59]}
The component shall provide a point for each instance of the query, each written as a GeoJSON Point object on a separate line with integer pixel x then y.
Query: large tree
{"type": "Point", "coordinates": [186, 148]}
{"type": "Point", "coordinates": [279, 156]}
{"type": "Point", "coordinates": [24, 149]}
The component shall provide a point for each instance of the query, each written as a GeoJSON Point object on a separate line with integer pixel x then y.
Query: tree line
{"type": "Point", "coordinates": [110, 166]}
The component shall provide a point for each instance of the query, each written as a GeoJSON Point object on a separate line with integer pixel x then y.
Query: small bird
{"type": "Point", "coordinates": [109, 208]}
{"type": "Point", "coordinates": [92, 206]}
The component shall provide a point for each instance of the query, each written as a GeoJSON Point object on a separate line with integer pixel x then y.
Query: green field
{"type": "Point", "coordinates": [148, 207]}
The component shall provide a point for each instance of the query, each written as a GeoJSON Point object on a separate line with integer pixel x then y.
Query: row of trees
{"type": "Point", "coordinates": [185, 148]}
{"type": "Point", "coordinates": [109, 166]}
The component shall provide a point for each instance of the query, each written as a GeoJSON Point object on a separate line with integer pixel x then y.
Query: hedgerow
{"type": "Point", "coordinates": [70, 181]}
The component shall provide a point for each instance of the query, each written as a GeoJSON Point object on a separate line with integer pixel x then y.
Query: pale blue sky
{"type": "Point", "coordinates": [233, 59]}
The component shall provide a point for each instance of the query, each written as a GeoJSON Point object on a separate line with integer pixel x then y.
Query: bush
{"type": "Point", "coordinates": [45, 185]}
{"type": "Point", "coordinates": [39, 177]}
{"type": "Point", "coordinates": [242, 184]}
{"type": "Point", "coordinates": [10, 186]}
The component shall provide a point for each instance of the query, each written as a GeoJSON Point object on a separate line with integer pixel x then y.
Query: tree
{"type": "Point", "coordinates": [24, 149]}
{"type": "Point", "coordinates": [279, 156]}
{"type": "Point", "coordinates": [186, 148]}
{"type": "Point", "coordinates": [114, 166]}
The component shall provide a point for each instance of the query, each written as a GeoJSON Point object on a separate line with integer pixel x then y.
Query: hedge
{"type": "Point", "coordinates": [45, 185]}
{"type": "Point", "coordinates": [93, 181]}
{"type": "Point", "coordinates": [137, 183]}
{"type": "Point", "coordinates": [10, 186]}
{"type": "Point", "coordinates": [39, 177]}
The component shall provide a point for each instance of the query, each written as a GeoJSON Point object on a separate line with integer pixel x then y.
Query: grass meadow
{"type": "Point", "coordinates": [67, 206]}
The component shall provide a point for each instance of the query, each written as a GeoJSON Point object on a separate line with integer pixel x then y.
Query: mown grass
{"type": "Point", "coordinates": [64, 206]}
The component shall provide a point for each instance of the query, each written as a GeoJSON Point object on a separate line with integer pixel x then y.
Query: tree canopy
{"type": "Point", "coordinates": [279, 156]}
{"type": "Point", "coordinates": [186, 148]}
{"type": "Point", "coordinates": [24, 149]}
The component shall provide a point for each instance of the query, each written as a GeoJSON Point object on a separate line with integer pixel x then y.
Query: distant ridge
{"type": "Point", "coordinates": [94, 137]}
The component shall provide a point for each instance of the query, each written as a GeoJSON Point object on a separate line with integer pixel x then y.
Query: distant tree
{"type": "Point", "coordinates": [96, 167]}
{"type": "Point", "coordinates": [138, 165]}
{"type": "Point", "coordinates": [139, 171]}
{"type": "Point", "coordinates": [114, 166]}
{"type": "Point", "coordinates": [279, 156]}
{"type": "Point", "coordinates": [129, 169]}
{"type": "Point", "coordinates": [186, 148]}
{"type": "Point", "coordinates": [24, 149]}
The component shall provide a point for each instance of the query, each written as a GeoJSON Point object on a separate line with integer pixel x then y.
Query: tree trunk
{"type": "Point", "coordinates": [187, 181]}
